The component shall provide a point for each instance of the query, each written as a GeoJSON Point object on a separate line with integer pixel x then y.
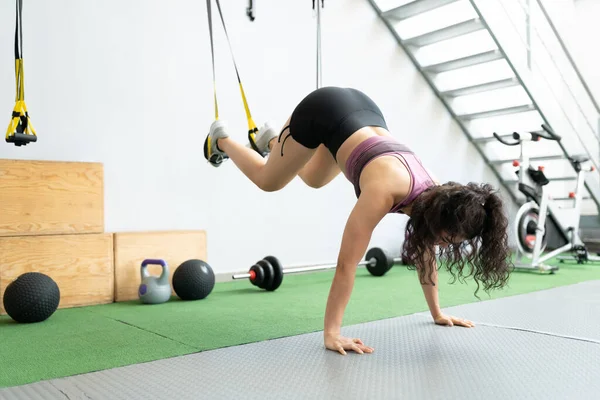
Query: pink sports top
{"type": "Point", "coordinates": [378, 146]}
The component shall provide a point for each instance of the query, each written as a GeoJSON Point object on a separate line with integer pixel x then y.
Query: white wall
{"type": "Point", "coordinates": [129, 84]}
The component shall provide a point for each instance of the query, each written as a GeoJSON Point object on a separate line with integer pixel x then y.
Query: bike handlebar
{"type": "Point", "coordinates": [506, 142]}
{"type": "Point", "coordinates": [547, 134]}
{"type": "Point", "coordinates": [551, 135]}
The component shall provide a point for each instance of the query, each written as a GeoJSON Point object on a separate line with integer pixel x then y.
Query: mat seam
{"type": "Point", "coordinates": [194, 348]}
{"type": "Point", "coordinates": [514, 328]}
{"type": "Point", "coordinates": [157, 334]}
{"type": "Point", "coordinates": [80, 391]}
{"type": "Point", "coordinates": [60, 390]}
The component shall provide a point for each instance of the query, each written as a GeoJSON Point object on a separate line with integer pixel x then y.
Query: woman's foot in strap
{"type": "Point", "coordinates": [214, 155]}
{"type": "Point", "coordinates": [261, 141]}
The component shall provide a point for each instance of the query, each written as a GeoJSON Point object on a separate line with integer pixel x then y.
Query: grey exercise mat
{"type": "Point", "coordinates": [572, 311]}
{"type": "Point", "coordinates": [414, 359]}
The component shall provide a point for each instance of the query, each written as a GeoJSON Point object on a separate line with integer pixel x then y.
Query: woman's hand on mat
{"type": "Point", "coordinates": [451, 321]}
{"type": "Point", "coordinates": [341, 344]}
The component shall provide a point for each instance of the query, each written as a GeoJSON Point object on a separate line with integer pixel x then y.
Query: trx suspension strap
{"type": "Point", "coordinates": [252, 129]}
{"type": "Point", "coordinates": [20, 130]}
{"type": "Point", "coordinates": [319, 69]}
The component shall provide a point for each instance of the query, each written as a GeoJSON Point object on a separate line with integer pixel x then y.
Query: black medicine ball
{"type": "Point", "coordinates": [193, 280]}
{"type": "Point", "coordinates": [32, 297]}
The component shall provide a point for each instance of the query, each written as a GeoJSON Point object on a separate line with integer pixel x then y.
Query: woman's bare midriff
{"type": "Point", "coordinates": [357, 137]}
{"type": "Point", "coordinates": [403, 188]}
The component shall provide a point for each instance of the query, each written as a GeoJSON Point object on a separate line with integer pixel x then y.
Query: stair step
{"type": "Point", "coordinates": [483, 87]}
{"type": "Point", "coordinates": [464, 62]}
{"type": "Point", "coordinates": [496, 113]}
{"type": "Point", "coordinates": [538, 158]}
{"type": "Point", "coordinates": [414, 8]}
{"type": "Point", "coordinates": [569, 198]}
{"type": "Point", "coordinates": [449, 32]}
{"type": "Point", "coordinates": [557, 179]}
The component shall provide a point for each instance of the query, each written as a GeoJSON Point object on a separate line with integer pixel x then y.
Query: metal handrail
{"type": "Point", "coordinates": [592, 128]}
{"type": "Point", "coordinates": [568, 54]}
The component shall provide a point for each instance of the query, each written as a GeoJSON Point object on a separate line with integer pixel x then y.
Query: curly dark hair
{"type": "Point", "coordinates": [471, 220]}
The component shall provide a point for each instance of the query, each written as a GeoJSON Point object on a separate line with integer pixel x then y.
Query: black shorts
{"type": "Point", "coordinates": [330, 115]}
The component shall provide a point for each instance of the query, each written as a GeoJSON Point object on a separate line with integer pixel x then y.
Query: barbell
{"type": "Point", "coordinates": [268, 273]}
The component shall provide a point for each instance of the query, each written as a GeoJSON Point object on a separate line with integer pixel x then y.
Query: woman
{"type": "Point", "coordinates": [341, 129]}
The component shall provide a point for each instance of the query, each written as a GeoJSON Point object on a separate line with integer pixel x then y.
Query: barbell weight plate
{"type": "Point", "coordinates": [259, 275]}
{"type": "Point", "coordinates": [278, 272]}
{"type": "Point", "coordinates": [268, 272]}
{"type": "Point", "coordinates": [383, 262]}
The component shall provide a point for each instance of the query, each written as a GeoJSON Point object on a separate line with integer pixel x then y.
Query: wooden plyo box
{"type": "Point", "coordinates": [131, 248]}
{"type": "Point", "coordinates": [81, 265]}
{"type": "Point", "coordinates": [51, 197]}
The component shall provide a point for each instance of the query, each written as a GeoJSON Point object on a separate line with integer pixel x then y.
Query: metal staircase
{"type": "Point", "coordinates": [486, 89]}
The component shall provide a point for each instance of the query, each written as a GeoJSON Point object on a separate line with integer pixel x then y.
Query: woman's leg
{"type": "Point", "coordinates": [278, 169]}
{"type": "Point", "coordinates": [320, 169]}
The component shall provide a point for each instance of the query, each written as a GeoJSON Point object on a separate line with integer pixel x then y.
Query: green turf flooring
{"type": "Point", "coordinates": [75, 341]}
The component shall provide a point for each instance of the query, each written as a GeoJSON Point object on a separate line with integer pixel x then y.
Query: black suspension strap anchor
{"type": "Point", "coordinates": [317, 9]}
{"type": "Point", "coordinates": [20, 130]}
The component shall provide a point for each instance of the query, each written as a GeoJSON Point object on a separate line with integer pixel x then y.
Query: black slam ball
{"type": "Point", "coordinates": [32, 297]}
{"type": "Point", "coordinates": [193, 280]}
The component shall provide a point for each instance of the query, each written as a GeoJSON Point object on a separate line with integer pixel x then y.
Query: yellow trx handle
{"type": "Point", "coordinates": [20, 121]}
{"type": "Point", "coordinates": [20, 130]}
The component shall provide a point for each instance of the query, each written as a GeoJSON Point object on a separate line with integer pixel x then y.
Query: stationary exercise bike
{"type": "Point", "coordinates": [530, 225]}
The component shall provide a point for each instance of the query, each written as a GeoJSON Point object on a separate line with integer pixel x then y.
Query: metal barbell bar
{"type": "Point", "coordinates": [266, 275]}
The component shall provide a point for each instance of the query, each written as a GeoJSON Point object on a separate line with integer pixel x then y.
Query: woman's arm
{"type": "Point", "coordinates": [430, 287]}
{"type": "Point", "coordinates": [430, 290]}
{"type": "Point", "coordinates": [370, 208]}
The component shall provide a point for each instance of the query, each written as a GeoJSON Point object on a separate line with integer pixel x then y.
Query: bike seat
{"type": "Point", "coordinates": [579, 158]}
